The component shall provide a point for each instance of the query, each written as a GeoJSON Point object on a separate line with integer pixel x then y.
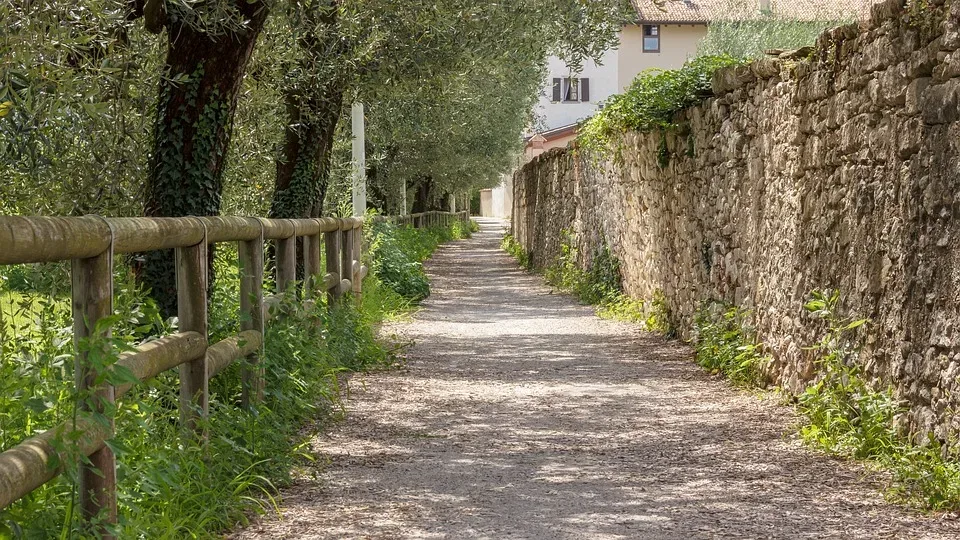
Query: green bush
{"type": "Point", "coordinates": [651, 101]}
{"type": "Point", "coordinates": [397, 253]}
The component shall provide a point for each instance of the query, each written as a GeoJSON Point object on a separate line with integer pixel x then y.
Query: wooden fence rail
{"type": "Point", "coordinates": [90, 244]}
{"type": "Point", "coordinates": [430, 219]}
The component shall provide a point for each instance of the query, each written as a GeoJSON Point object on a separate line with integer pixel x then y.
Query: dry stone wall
{"type": "Point", "coordinates": [840, 170]}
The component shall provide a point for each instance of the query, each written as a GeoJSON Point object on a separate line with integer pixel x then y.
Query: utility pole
{"type": "Point", "coordinates": [359, 161]}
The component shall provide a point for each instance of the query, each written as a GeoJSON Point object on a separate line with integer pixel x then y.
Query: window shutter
{"type": "Point", "coordinates": [556, 89]}
{"type": "Point", "coordinates": [584, 90]}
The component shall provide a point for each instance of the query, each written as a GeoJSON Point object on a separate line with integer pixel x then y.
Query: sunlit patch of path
{"type": "Point", "coordinates": [522, 415]}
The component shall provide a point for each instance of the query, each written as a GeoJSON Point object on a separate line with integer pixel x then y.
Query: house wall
{"type": "Point", "coordinates": [603, 84]}
{"type": "Point", "coordinates": [677, 43]}
{"type": "Point", "coordinates": [838, 171]}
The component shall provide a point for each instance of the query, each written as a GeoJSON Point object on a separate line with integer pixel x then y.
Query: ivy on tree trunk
{"type": "Point", "coordinates": [195, 111]}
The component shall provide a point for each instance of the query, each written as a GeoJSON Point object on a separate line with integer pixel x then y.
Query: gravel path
{"type": "Point", "coordinates": [521, 415]}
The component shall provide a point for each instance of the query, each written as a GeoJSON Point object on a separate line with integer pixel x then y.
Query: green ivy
{"type": "Point", "coordinates": [651, 102]}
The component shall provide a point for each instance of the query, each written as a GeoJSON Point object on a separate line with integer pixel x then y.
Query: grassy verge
{"type": "Point", "coordinates": [842, 412]}
{"type": "Point", "coordinates": [600, 285]}
{"type": "Point", "coordinates": [168, 486]}
{"type": "Point", "coordinates": [848, 416]}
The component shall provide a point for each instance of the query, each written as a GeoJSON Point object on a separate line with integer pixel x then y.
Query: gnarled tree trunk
{"type": "Point", "coordinates": [195, 111]}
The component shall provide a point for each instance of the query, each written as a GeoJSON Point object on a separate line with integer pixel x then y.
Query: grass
{"type": "Point", "coordinates": [726, 345]}
{"type": "Point", "coordinates": [168, 486]}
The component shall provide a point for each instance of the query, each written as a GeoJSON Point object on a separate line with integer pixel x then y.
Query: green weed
{"type": "Point", "coordinates": [725, 344]}
{"type": "Point", "coordinates": [846, 416]}
{"type": "Point", "coordinates": [601, 285]}
{"type": "Point", "coordinates": [513, 247]}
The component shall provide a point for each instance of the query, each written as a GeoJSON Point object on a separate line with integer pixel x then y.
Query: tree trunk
{"type": "Point", "coordinates": [195, 110]}
{"type": "Point", "coordinates": [421, 200]}
{"type": "Point", "coordinates": [304, 167]}
{"type": "Point", "coordinates": [314, 102]}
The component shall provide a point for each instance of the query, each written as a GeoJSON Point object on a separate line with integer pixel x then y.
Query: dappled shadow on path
{"type": "Point", "coordinates": [522, 415]}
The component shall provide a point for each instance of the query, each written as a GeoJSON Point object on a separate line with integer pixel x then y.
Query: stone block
{"type": "Point", "coordinates": [914, 95]}
{"type": "Point", "coordinates": [939, 103]}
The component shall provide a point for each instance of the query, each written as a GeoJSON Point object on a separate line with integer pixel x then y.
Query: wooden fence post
{"type": "Point", "coordinates": [92, 283]}
{"type": "Point", "coordinates": [286, 263]}
{"type": "Point", "coordinates": [357, 279]}
{"type": "Point", "coordinates": [191, 263]}
{"type": "Point", "coordinates": [251, 316]}
{"type": "Point", "coordinates": [331, 240]}
{"type": "Point", "coordinates": [311, 265]}
{"type": "Point", "coordinates": [346, 256]}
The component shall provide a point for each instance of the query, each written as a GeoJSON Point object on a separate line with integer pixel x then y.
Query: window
{"type": "Point", "coordinates": [571, 89]}
{"type": "Point", "coordinates": [651, 38]}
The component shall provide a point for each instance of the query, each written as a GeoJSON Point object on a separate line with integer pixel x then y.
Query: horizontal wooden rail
{"type": "Point", "coordinates": [36, 461]}
{"type": "Point", "coordinates": [225, 352]}
{"type": "Point", "coordinates": [421, 220]}
{"type": "Point", "coordinates": [90, 242]}
{"type": "Point", "coordinates": [46, 239]}
{"type": "Point", "coordinates": [155, 357]}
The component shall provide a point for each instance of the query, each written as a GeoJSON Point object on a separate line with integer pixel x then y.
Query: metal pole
{"type": "Point", "coordinates": [359, 161]}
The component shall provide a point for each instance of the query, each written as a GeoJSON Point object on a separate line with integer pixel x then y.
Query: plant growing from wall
{"type": "Point", "coordinates": [651, 101]}
{"type": "Point", "coordinates": [726, 344]}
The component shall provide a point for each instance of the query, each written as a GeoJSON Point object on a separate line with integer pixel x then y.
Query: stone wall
{"type": "Point", "coordinates": [837, 170]}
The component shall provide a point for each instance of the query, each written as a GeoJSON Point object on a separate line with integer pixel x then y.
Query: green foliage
{"type": "Point", "coordinates": [726, 344]}
{"type": "Point", "coordinates": [397, 254]}
{"type": "Point", "coordinates": [845, 415]}
{"type": "Point", "coordinates": [513, 247]}
{"type": "Point", "coordinates": [77, 86]}
{"type": "Point", "coordinates": [651, 101]}
{"type": "Point", "coordinates": [747, 40]}
{"type": "Point", "coordinates": [600, 285]}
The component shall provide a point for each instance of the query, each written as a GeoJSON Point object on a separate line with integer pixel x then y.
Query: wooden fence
{"type": "Point", "coordinates": [90, 244]}
{"type": "Point", "coordinates": [430, 219]}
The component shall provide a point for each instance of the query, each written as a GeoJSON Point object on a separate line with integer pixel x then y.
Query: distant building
{"type": "Point", "coordinates": [658, 38]}
{"type": "Point", "coordinates": [661, 38]}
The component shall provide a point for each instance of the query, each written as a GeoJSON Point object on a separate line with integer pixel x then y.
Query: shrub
{"type": "Point", "coordinates": [651, 101]}
{"type": "Point", "coordinates": [397, 253]}
{"type": "Point", "coordinates": [747, 40]}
